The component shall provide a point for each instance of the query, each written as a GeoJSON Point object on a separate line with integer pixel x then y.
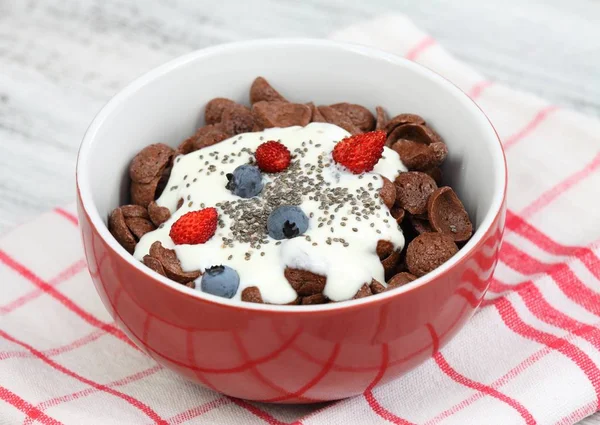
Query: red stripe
{"type": "Point", "coordinates": [478, 386]}
{"type": "Point", "coordinates": [240, 368]}
{"type": "Point", "coordinates": [54, 293]}
{"type": "Point", "coordinates": [131, 400]}
{"type": "Point", "coordinates": [308, 356]}
{"type": "Point", "coordinates": [521, 262]}
{"type": "Point", "coordinates": [532, 125]}
{"type": "Point", "coordinates": [499, 288]}
{"type": "Point", "coordinates": [478, 88]}
{"type": "Point", "coordinates": [322, 373]}
{"type": "Point", "coordinates": [373, 403]}
{"type": "Point", "coordinates": [197, 411]}
{"type": "Point", "coordinates": [189, 348]}
{"type": "Point", "coordinates": [578, 415]}
{"type": "Point", "coordinates": [590, 261]}
{"type": "Point", "coordinates": [146, 329]}
{"type": "Point", "coordinates": [285, 394]}
{"type": "Point", "coordinates": [258, 375]}
{"type": "Point", "coordinates": [538, 238]}
{"type": "Point", "coordinates": [25, 407]}
{"type": "Point", "coordinates": [469, 296]}
{"type": "Point", "coordinates": [553, 193]}
{"type": "Point", "coordinates": [535, 302]}
{"type": "Point", "coordinates": [503, 380]}
{"type": "Point", "coordinates": [244, 405]}
{"type": "Point", "coordinates": [88, 391]}
{"type": "Point", "coordinates": [94, 335]}
{"type": "Point", "coordinates": [579, 357]}
{"type": "Point", "coordinates": [568, 282]}
{"type": "Point", "coordinates": [518, 225]}
{"type": "Point", "coordinates": [423, 45]}
{"type": "Point", "coordinates": [66, 214]}
{"type": "Point", "coordinates": [66, 274]}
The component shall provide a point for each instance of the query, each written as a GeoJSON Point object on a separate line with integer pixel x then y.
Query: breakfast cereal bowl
{"type": "Point", "coordinates": [288, 353]}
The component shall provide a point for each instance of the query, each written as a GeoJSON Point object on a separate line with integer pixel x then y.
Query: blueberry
{"type": "Point", "coordinates": [287, 222]}
{"type": "Point", "coordinates": [222, 281]}
{"type": "Point", "coordinates": [245, 181]}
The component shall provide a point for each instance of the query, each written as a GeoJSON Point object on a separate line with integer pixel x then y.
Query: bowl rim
{"type": "Point", "coordinates": [91, 211]}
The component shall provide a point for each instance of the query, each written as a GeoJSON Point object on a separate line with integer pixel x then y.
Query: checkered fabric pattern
{"type": "Point", "coordinates": [531, 355]}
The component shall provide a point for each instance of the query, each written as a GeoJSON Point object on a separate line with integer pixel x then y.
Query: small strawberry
{"type": "Point", "coordinates": [195, 227]}
{"type": "Point", "coordinates": [360, 153]}
{"type": "Point", "coordinates": [272, 157]}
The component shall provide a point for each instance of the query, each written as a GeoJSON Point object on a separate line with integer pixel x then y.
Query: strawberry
{"type": "Point", "coordinates": [195, 227]}
{"type": "Point", "coordinates": [272, 157]}
{"type": "Point", "coordinates": [360, 153]}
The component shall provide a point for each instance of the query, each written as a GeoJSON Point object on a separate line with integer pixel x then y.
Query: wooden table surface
{"type": "Point", "coordinates": [61, 60]}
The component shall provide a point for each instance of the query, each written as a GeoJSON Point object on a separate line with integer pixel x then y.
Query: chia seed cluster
{"type": "Point", "coordinates": [336, 206]}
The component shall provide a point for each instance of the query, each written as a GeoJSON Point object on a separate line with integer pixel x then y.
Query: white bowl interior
{"type": "Point", "coordinates": [167, 105]}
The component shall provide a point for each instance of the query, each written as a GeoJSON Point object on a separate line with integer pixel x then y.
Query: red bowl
{"type": "Point", "coordinates": [289, 354]}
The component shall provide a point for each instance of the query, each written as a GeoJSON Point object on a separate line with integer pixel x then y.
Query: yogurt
{"type": "Point", "coordinates": [346, 214]}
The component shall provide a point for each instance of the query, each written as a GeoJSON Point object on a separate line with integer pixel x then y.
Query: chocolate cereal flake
{"type": "Point", "coordinates": [154, 264]}
{"type": "Point", "coordinates": [428, 251]}
{"type": "Point", "coordinates": [150, 162]}
{"type": "Point", "coordinates": [364, 291]}
{"type": "Point", "coordinates": [305, 283]}
{"type": "Point", "coordinates": [187, 146]}
{"type": "Point", "coordinates": [261, 90]}
{"type": "Point", "coordinates": [448, 215]}
{"type": "Point", "coordinates": [158, 214]}
{"type": "Point", "coordinates": [314, 299]}
{"type": "Point", "coordinates": [237, 119]}
{"type": "Point", "coordinates": [335, 117]}
{"type": "Point", "coordinates": [388, 192]}
{"type": "Point", "coordinates": [316, 116]}
{"type": "Point", "coordinates": [415, 132]}
{"type": "Point", "coordinates": [384, 249]}
{"type": "Point", "coordinates": [419, 156]}
{"type": "Point", "coordinates": [398, 214]}
{"type": "Point", "coordinates": [118, 228]}
{"type": "Point", "coordinates": [168, 259]}
{"type": "Point", "coordinates": [252, 294]}
{"type": "Point", "coordinates": [390, 262]}
{"type": "Point", "coordinates": [142, 194]}
{"type": "Point", "coordinates": [130, 211]}
{"type": "Point", "coordinates": [400, 279]}
{"type": "Point", "coordinates": [376, 287]}
{"type": "Point", "coordinates": [360, 116]}
{"type": "Point", "coordinates": [280, 114]}
{"type": "Point", "coordinates": [420, 225]}
{"type": "Point", "coordinates": [209, 135]}
{"type": "Point", "coordinates": [403, 119]}
{"type": "Point", "coordinates": [213, 112]}
{"type": "Point", "coordinates": [382, 118]}
{"type": "Point", "coordinates": [139, 226]}
{"type": "Point", "coordinates": [413, 189]}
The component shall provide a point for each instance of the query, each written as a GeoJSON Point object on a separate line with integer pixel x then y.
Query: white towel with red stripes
{"type": "Point", "coordinates": [531, 355]}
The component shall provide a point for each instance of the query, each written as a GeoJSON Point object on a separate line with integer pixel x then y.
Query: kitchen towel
{"type": "Point", "coordinates": [531, 355]}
